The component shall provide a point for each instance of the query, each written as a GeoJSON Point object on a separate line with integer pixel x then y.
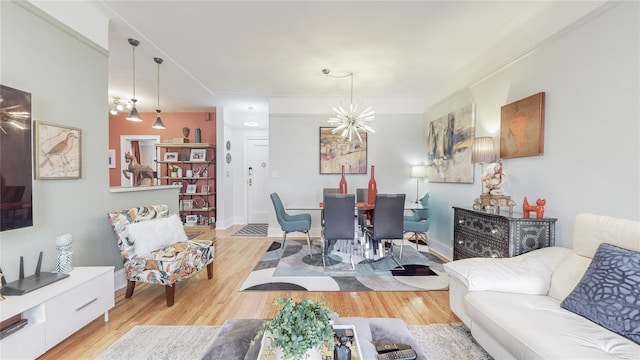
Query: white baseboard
{"type": "Point", "coordinates": [119, 279]}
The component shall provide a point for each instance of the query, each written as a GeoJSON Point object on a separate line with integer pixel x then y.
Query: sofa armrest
{"type": "Point", "coordinates": [529, 273]}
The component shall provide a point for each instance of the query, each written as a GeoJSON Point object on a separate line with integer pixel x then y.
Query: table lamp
{"type": "Point", "coordinates": [418, 171]}
{"type": "Point", "coordinates": [482, 152]}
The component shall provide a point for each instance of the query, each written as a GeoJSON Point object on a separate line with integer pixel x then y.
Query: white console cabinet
{"type": "Point", "coordinates": [57, 310]}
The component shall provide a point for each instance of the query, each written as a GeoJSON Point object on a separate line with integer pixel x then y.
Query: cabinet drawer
{"type": "Point", "coordinates": [26, 343]}
{"type": "Point", "coordinates": [77, 307]}
{"type": "Point", "coordinates": [474, 244]}
{"type": "Point", "coordinates": [489, 228]}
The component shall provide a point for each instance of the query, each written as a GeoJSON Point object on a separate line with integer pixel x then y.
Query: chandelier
{"type": "Point", "coordinates": [349, 119]}
{"type": "Point", "coordinates": [116, 105]}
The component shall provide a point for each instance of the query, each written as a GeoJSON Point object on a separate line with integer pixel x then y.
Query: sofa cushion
{"type": "Point", "coordinates": [590, 230]}
{"type": "Point", "coordinates": [609, 292]}
{"type": "Point", "coordinates": [536, 327]}
{"type": "Point", "coordinates": [150, 235]}
{"type": "Point", "coordinates": [567, 274]}
{"type": "Point", "coordinates": [529, 273]}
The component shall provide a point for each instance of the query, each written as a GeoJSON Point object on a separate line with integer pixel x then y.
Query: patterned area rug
{"type": "Point", "coordinates": [146, 342]}
{"type": "Point", "coordinates": [252, 230]}
{"type": "Point", "coordinates": [295, 270]}
{"type": "Point", "coordinates": [162, 342]}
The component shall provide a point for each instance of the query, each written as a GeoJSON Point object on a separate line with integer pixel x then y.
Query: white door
{"type": "Point", "coordinates": [256, 179]}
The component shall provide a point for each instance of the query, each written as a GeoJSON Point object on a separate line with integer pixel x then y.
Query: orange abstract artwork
{"type": "Point", "coordinates": [522, 127]}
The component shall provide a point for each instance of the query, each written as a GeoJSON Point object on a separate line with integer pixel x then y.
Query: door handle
{"type": "Point", "coordinates": [250, 170]}
{"type": "Point", "coordinates": [250, 182]}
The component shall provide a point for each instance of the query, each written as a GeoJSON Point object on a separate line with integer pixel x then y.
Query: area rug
{"type": "Point", "coordinates": [447, 341]}
{"type": "Point", "coordinates": [162, 342]}
{"type": "Point", "coordinates": [151, 342]}
{"type": "Point", "coordinates": [252, 230]}
{"type": "Point", "coordinates": [296, 270]}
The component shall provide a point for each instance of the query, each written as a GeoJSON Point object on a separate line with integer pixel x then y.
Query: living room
{"type": "Point", "coordinates": [591, 160]}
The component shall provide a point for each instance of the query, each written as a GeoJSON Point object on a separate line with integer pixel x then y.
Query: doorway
{"type": "Point", "coordinates": [148, 153]}
{"type": "Point", "coordinates": [256, 172]}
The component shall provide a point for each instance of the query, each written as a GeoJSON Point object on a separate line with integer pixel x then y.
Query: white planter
{"type": "Point", "coordinates": [311, 354]}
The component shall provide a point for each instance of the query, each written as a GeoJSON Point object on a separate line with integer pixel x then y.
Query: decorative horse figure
{"type": "Point", "coordinates": [140, 172]}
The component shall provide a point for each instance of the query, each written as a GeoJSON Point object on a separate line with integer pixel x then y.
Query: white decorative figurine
{"type": "Point", "coordinates": [64, 259]}
{"type": "Point", "coordinates": [494, 178]}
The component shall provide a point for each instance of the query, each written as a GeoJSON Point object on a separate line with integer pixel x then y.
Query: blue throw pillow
{"type": "Point", "coordinates": [609, 292]}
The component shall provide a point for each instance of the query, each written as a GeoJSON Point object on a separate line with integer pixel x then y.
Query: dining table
{"type": "Point", "coordinates": [359, 206]}
{"type": "Point", "coordinates": [367, 208]}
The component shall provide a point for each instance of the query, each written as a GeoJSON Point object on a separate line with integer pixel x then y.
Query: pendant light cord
{"type": "Point", "coordinates": [158, 85]}
{"type": "Point", "coordinates": [134, 72]}
{"type": "Point", "coordinates": [327, 72]}
{"type": "Point", "coordinates": [158, 61]}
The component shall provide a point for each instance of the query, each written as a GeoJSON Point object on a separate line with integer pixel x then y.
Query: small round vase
{"type": "Point", "coordinates": [311, 354]}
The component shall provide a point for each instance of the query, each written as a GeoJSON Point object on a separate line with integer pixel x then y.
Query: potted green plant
{"type": "Point", "coordinates": [298, 328]}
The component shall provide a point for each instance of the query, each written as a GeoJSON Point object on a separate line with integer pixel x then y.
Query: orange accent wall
{"type": "Point", "coordinates": [174, 122]}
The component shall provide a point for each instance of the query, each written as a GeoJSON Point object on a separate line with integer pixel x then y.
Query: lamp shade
{"type": "Point", "coordinates": [158, 124]}
{"type": "Point", "coordinates": [482, 150]}
{"type": "Point", "coordinates": [418, 171]}
{"type": "Point", "coordinates": [133, 114]}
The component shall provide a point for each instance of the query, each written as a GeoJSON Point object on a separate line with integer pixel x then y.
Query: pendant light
{"type": "Point", "coordinates": [348, 119]}
{"type": "Point", "coordinates": [133, 114]}
{"type": "Point", "coordinates": [158, 123]}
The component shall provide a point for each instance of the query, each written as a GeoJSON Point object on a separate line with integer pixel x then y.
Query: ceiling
{"type": "Point", "coordinates": [239, 54]}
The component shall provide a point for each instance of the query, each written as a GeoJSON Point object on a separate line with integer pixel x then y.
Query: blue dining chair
{"type": "Point", "coordinates": [418, 223]}
{"type": "Point", "coordinates": [291, 223]}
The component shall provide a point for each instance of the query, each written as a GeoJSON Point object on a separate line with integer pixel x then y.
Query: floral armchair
{"type": "Point", "coordinates": [159, 252]}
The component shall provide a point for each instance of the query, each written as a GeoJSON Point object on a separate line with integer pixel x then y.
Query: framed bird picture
{"type": "Point", "coordinates": [57, 152]}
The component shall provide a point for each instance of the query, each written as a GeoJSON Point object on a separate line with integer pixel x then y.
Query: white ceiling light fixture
{"type": "Point", "coordinates": [116, 105]}
{"type": "Point", "coordinates": [133, 114]}
{"type": "Point", "coordinates": [158, 123]}
{"type": "Point", "coordinates": [348, 119]}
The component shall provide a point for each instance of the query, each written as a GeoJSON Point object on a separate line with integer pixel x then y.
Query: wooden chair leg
{"type": "Point", "coordinates": [170, 292]}
{"type": "Point", "coordinates": [210, 270]}
{"type": "Point", "coordinates": [131, 285]}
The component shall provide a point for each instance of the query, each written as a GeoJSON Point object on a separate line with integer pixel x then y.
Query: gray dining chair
{"type": "Point", "coordinates": [338, 222]}
{"type": "Point", "coordinates": [325, 192]}
{"type": "Point", "coordinates": [388, 217]}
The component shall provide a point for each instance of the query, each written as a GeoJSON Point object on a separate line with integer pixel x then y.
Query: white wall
{"type": "Point", "coordinates": [591, 160]}
{"type": "Point", "coordinates": [56, 65]}
{"type": "Point", "coordinates": [232, 202]}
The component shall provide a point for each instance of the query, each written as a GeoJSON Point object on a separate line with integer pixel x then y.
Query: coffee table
{"type": "Point", "coordinates": [234, 340]}
{"type": "Point", "coordinates": [353, 345]}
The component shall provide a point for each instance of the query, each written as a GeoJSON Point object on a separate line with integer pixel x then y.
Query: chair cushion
{"type": "Point", "coordinates": [171, 263]}
{"type": "Point", "coordinates": [416, 226]}
{"type": "Point", "coordinates": [608, 293]}
{"type": "Point", "coordinates": [150, 235]}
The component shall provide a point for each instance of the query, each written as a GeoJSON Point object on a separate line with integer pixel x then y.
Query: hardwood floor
{"type": "Point", "coordinates": [199, 301]}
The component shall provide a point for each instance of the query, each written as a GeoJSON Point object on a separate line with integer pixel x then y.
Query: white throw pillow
{"type": "Point", "coordinates": [154, 234]}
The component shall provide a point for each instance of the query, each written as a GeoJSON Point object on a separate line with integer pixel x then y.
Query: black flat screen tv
{"type": "Point", "coordinates": [16, 173]}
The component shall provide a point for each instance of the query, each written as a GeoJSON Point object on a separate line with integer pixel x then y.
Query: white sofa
{"type": "Point", "coordinates": [512, 305]}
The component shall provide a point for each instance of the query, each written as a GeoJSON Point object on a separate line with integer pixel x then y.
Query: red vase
{"type": "Point", "coordinates": [373, 189]}
{"type": "Point", "coordinates": [343, 183]}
